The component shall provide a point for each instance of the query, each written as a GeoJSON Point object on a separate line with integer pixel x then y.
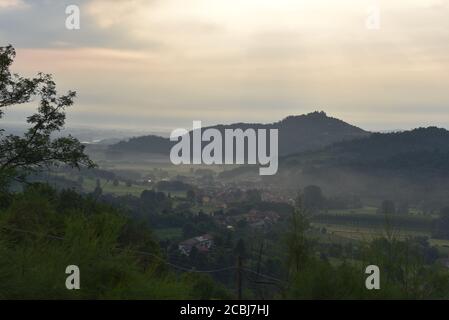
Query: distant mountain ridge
{"type": "Point", "coordinates": [296, 134]}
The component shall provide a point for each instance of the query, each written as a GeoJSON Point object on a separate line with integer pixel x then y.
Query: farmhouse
{"type": "Point", "coordinates": [202, 243]}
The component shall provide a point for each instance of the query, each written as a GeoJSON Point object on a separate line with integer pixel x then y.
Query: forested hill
{"type": "Point", "coordinates": [296, 134]}
{"type": "Point", "coordinates": [144, 144]}
{"type": "Point", "coordinates": [422, 148]}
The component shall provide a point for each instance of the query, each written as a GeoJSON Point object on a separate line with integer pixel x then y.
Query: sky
{"type": "Point", "coordinates": [160, 64]}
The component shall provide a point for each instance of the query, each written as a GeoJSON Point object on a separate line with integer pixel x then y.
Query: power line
{"type": "Point", "coordinates": [181, 268]}
{"type": "Point", "coordinates": [262, 275]}
{"type": "Point", "coordinates": [125, 249]}
{"type": "Point", "coordinates": [177, 266]}
{"type": "Point", "coordinates": [32, 232]}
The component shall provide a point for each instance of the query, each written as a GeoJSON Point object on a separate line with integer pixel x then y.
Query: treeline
{"type": "Point", "coordinates": [376, 221]}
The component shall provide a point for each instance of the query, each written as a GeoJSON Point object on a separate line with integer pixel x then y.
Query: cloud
{"type": "Point", "coordinates": [239, 59]}
{"type": "Point", "coordinates": [108, 14]}
{"type": "Point", "coordinates": [42, 25]}
{"type": "Point", "coordinates": [12, 4]}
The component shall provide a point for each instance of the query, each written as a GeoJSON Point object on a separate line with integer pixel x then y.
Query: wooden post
{"type": "Point", "coordinates": [239, 278]}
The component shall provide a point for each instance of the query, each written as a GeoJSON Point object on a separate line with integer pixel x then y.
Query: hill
{"type": "Point", "coordinates": [296, 134]}
{"type": "Point", "coordinates": [410, 166]}
{"type": "Point", "coordinates": [422, 148]}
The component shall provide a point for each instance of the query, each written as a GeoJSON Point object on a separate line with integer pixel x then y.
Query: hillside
{"type": "Point", "coordinates": [422, 148]}
{"type": "Point", "coordinates": [296, 134]}
{"type": "Point", "coordinates": [143, 144]}
{"type": "Point", "coordinates": [410, 166]}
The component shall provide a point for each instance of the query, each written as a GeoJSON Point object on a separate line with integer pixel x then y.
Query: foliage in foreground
{"type": "Point", "coordinates": [406, 270]}
{"type": "Point", "coordinates": [36, 149]}
{"type": "Point", "coordinates": [43, 231]}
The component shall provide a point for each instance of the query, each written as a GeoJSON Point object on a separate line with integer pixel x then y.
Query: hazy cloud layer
{"type": "Point", "coordinates": [164, 63]}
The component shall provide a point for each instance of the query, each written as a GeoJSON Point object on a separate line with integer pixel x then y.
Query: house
{"type": "Point", "coordinates": [202, 243]}
{"type": "Point", "coordinates": [255, 216]}
{"type": "Point", "coordinates": [258, 225]}
{"type": "Point", "coordinates": [261, 220]}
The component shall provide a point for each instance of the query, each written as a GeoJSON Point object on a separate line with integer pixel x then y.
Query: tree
{"type": "Point", "coordinates": [190, 195]}
{"type": "Point", "coordinates": [298, 247]}
{"type": "Point", "coordinates": [98, 191]}
{"type": "Point", "coordinates": [403, 208]}
{"type": "Point", "coordinates": [154, 202]}
{"type": "Point", "coordinates": [189, 230]}
{"type": "Point", "coordinates": [388, 207]}
{"type": "Point", "coordinates": [35, 150]}
{"type": "Point", "coordinates": [313, 198]}
{"type": "Point", "coordinates": [240, 249]}
{"type": "Point", "coordinates": [440, 227]}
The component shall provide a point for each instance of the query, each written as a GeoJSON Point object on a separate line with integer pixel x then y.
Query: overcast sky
{"type": "Point", "coordinates": [160, 64]}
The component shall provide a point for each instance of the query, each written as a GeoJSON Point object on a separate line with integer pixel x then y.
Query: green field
{"type": "Point", "coordinates": [364, 210]}
{"type": "Point", "coordinates": [89, 185]}
{"type": "Point", "coordinates": [366, 233]}
{"type": "Point", "coordinates": [168, 233]}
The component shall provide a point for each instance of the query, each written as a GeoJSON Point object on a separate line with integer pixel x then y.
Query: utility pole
{"type": "Point", "coordinates": [239, 278]}
{"type": "Point", "coordinates": [259, 261]}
